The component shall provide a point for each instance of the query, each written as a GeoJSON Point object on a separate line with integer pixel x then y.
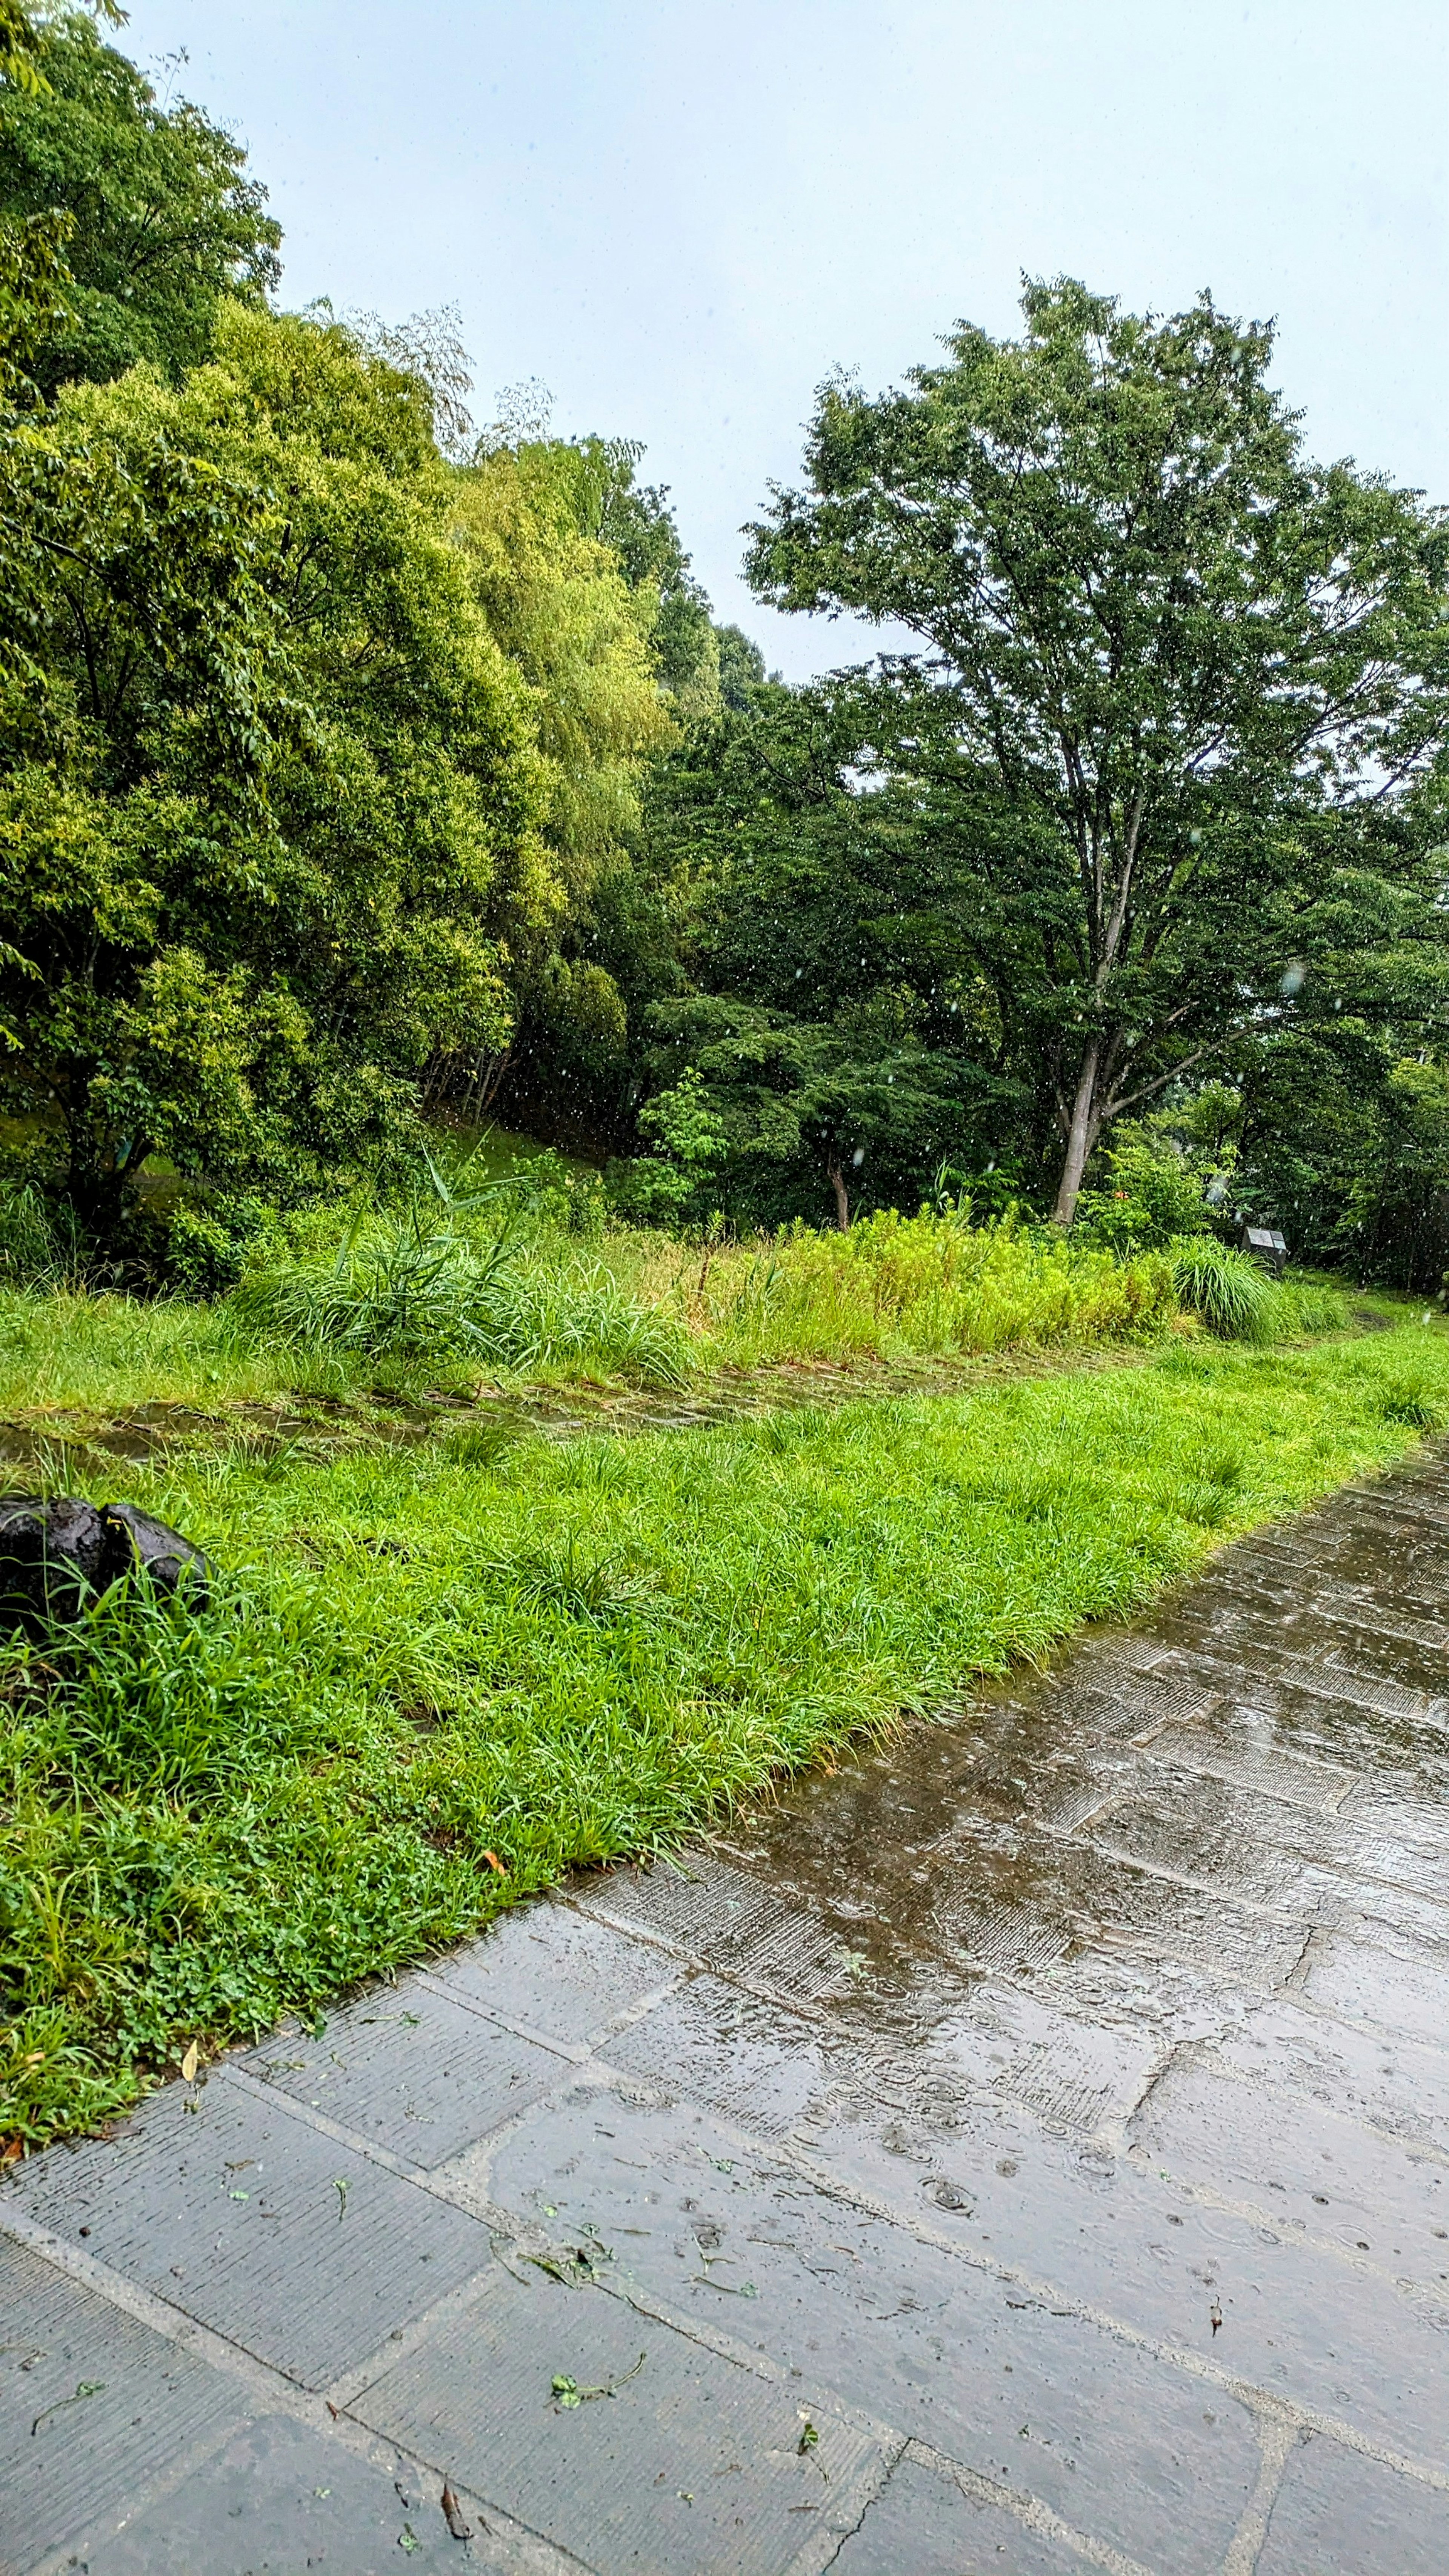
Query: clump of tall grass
{"type": "Point", "coordinates": [933, 1283]}
{"type": "Point", "coordinates": [399, 1288]}
{"type": "Point", "coordinates": [1240, 1303]}
{"type": "Point", "coordinates": [39, 1242]}
{"type": "Point", "coordinates": [1415, 1400]}
{"type": "Point", "coordinates": [1225, 1287]}
{"type": "Point", "coordinates": [1306, 1308]}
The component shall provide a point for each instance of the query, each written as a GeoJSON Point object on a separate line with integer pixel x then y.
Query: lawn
{"type": "Point", "coordinates": [435, 1678]}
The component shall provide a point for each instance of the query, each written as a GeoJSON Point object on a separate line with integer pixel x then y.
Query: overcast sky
{"type": "Point", "coordinates": [680, 214]}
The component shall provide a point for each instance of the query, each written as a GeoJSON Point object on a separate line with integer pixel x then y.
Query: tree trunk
{"type": "Point", "coordinates": [97, 1195]}
{"type": "Point", "coordinates": [1081, 1137]}
{"type": "Point", "coordinates": [842, 1197]}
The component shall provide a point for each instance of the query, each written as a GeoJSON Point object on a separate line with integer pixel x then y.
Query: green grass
{"type": "Point", "coordinates": [407, 1288]}
{"type": "Point", "coordinates": [926, 1285]}
{"type": "Point", "coordinates": [563, 1654]}
{"type": "Point", "coordinates": [455, 1292]}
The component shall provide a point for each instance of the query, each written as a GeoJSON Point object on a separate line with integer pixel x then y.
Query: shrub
{"type": "Point", "coordinates": [206, 1247]}
{"type": "Point", "coordinates": [1154, 1194]}
{"type": "Point", "coordinates": [676, 1178]}
{"type": "Point", "coordinates": [936, 1283]}
{"type": "Point", "coordinates": [645, 1190]}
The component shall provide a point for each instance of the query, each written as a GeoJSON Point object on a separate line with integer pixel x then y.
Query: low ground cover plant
{"type": "Point", "coordinates": [432, 1680]}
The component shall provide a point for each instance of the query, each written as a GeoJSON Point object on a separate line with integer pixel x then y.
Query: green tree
{"type": "Point", "coordinates": [741, 666]}
{"type": "Point", "coordinates": [20, 48]}
{"type": "Point", "coordinates": [23, 30]}
{"type": "Point", "coordinates": [269, 799]}
{"type": "Point", "coordinates": [808, 1114]}
{"type": "Point", "coordinates": [163, 219]}
{"type": "Point", "coordinates": [637, 523]}
{"type": "Point", "coordinates": [1344, 1113]}
{"type": "Point", "coordinates": [1162, 657]}
{"type": "Point", "coordinates": [583, 640]}
{"type": "Point", "coordinates": [836, 1007]}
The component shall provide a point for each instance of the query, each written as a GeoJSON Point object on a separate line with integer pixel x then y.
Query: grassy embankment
{"type": "Point", "coordinates": [434, 1677]}
{"type": "Point", "coordinates": [436, 1297]}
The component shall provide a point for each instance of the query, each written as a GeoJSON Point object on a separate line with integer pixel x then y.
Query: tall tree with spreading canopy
{"type": "Point", "coordinates": [1163, 661]}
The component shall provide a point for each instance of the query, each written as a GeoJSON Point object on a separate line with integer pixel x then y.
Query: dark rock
{"type": "Point", "coordinates": [52, 1559]}
{"type": "Point", "coordinates": [55, 1557]}
{"type": "Point", "coordinates": [147, 1546]}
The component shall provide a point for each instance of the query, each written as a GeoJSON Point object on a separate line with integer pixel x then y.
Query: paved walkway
{"type": "Point", "coordinates": [1027, 2150]}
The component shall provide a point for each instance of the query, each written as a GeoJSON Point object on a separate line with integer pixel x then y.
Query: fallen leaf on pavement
{"type": "Point", "coordinates": [453, 2515]}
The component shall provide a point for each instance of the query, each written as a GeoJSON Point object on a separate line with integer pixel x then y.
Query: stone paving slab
{"type": "Point", "coordinates": [1122, 2239]}
{"type": "Point", "coordinates": [730, 2050]}
{"type": "Point", "coordinates": [561, 1976]}
{"type": "Point", "coordinates": [276, 2497]}
{"type": "Point", "coordinates": [1339, 2514]}
{"type": "Point", "coordinates": [889, 2322]}
{"type": "Point", "coordinates": [66, 2458]}
{"type": "Point", "coordinates": [413, 2070]}
{"type": "Point", "coordinates": [1395, 2084]}
{"type": "Point", "coordinates": [1333, 2178]}
{"type": "Point", "coordinates": [1026, 2147]}
{"type": "Point", "coordinates": [675, 2459]}
{"type": "Point", "coordinates": [295, 2246]}
{"type": "Point", "coordinates": [931, 2523]}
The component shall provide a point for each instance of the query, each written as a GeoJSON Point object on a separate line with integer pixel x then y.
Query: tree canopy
{"type": "Point", "coordinates": [163, 217]}
{"type": "Point", "coordinates": [276, 814]}
{"type": "Point", "coordinates": [354, 762]}
{"type": "Point", "coordinates": [1166, 667]}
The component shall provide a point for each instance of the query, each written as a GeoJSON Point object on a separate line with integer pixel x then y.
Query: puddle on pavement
{"type": "Point", "coordinates": [1169, 1824]}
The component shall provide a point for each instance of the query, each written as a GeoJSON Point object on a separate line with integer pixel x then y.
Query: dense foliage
{"type": "Point", "coordinates": [1167, 734]}
{"type": "Point", "coordinates": [276, 810]}
{"type": "Point", "coordinates": [163, 219]}
{"type": "Point", "coordinates": [317, 747]}
{"type": "Point", "coordinates": [355, 768]}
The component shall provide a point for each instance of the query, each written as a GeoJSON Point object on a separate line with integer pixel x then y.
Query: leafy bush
{"type": "Point", "coordinates": [206, 1247]}
{"type": "Point", "coordinates": [673, 1180]}
{"type": "Point", "coordinates": [645, 1190]}
{"type": "Point", "coordinates": [1154, 1193]}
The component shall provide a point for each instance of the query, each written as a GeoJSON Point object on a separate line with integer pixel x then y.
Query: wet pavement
{"type": "Point", "coordinates": [1023, 2149]}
